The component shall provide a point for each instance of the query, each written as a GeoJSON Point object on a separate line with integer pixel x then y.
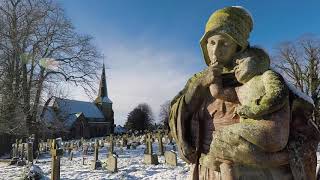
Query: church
{"type": "Point", "coordinates": [73, 119]}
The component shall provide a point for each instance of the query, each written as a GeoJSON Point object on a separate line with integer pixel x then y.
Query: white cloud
{"type": "Point", "coordinates": [141, 73]}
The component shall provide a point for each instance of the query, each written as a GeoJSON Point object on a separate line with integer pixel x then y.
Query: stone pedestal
{"type": "Point", "coordinates": [151, 159]}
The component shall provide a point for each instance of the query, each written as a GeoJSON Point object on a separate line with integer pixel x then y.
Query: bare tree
{"type": "Point", "coordinates": [299, 61]}
{"type": "Point", "coordinates": [164, 114]}
{"type": "Point", "coordinates": [38, 47]}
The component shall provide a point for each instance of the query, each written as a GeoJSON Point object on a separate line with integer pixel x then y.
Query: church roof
{"type": "Point", "coordinates": [89, 109]}
{"type": "Point", "coordinates": [49, 115]}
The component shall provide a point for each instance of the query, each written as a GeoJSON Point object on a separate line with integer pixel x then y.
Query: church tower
{"type": "Point", "coordinates": [103, 102]}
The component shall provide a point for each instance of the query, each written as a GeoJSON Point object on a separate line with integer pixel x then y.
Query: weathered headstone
{"type": "Point", "coordinates": [170, 158]}
{"type": "Point", "coordinates": [96, 163]}
{"type": "Point", "coordinates": [149, 157]}
{"type": "Point", "coordinates": [112, 163]}
{"type": "Point", "coordinates": [124, 140]}
{"type": "Point", "coordinates": [161, 150]}
{"type": "Point", "coordinates": [30, 152]}
{"type": "Point", "coordinates": [15, 149]}
{"type": "Point", "coordinates": [21, 150]}
{"type": "Point", "coordinates": [56, 152]}
{"type": "Point", "coordinates": [111, 148]}
{"type": "Point", "coordinates": [85, 148]}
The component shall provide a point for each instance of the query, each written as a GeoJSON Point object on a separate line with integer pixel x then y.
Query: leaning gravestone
{"type": "Point", "coordinates": [171, 158]}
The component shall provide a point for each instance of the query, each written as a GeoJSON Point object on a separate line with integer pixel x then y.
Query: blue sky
{"type": "Point", "coordinates": [152, 46]}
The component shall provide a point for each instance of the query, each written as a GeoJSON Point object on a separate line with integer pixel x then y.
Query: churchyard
{"type": "Point", "coordinates": [111, 157]}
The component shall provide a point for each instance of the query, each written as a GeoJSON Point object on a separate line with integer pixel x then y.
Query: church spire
{"type": "Point", "coordinates": [103, 91]}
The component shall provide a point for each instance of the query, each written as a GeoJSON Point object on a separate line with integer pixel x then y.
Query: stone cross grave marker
{"type": "Point", "coordinates": [30, 152]}
{"type": "Point", "coordinates": [124, 140]}
{"type": "Point", "coordinates": [111, 148]}
{"type": "Point", "coordinates": [96, 163]}
{"type": "Point", "coordinates": [161, 149]}
{"type": "Point", "coordinates": [56, 152]}
{"type": "Point", "coordinates": [149, 157]}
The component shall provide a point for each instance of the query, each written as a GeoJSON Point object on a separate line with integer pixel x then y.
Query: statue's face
{"type": "Point", "coordinates": [246, 69]}
{"type": "Point", "coordinates": [221, 48]}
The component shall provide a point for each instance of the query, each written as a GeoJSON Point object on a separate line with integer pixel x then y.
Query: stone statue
{"type": "Point", "coordinates": [238, 119]}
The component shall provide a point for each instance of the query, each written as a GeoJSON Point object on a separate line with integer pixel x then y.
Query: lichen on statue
{"type": "Point", "coordinates": [264, 115]}
{"type": "Point", "coordinates": [232, 119]}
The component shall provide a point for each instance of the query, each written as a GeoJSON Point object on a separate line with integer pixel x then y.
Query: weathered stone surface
{"type": "Point", "coordinates": [171, 158]}
{"type": "Point", "coordinates": [112, 163]}
{"type": "Point", "coordinates": [232, 120]}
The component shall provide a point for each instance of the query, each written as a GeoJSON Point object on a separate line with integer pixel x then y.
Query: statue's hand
{"type": "Point", "coordinates": [245, 111]}
{"type": "Point", "coordinates": [198, 87]}
{"type": "Point", "coordinates": [211, 74]}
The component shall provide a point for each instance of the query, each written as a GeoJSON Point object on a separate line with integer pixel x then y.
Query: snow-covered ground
{"type": "Point", "coordinates": [130, 166]}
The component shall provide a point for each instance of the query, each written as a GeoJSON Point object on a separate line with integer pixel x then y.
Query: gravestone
{"type": "Point", "coordinates": [111, 148]}
{"type": "Point", "coordinates": [96, 163]}
{"type": "Point", "coordinates": [15, 153]}
{"type": "Point", "coordinates": [170, 158]}
{"type": "Point", "coordinates": [112, 163]}
{"type": "Point", "coordinates": [124, 140]}
{"type": "Point", "coordinates": [56, 153]}
{"type": "Point", "coordinates": [30, 152]}
{"type": "Point", "coordinates": [85, 148]}
{"type": "Point", "coordinates": [161, 151]}
{"type": "Point", "coordinates": [149, 157]}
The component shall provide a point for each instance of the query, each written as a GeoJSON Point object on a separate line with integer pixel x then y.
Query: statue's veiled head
{"type": "Point", "coordinates": [221, 49]}
{"type": "Point", "coordinates": [231, 26]}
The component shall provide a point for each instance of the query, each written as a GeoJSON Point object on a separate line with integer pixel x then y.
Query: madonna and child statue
{"type": "Point", "coordinates": [239, 118]}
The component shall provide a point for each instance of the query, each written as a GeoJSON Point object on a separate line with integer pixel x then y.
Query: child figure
{"type": "Point", "coordinates": [264, 114]}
